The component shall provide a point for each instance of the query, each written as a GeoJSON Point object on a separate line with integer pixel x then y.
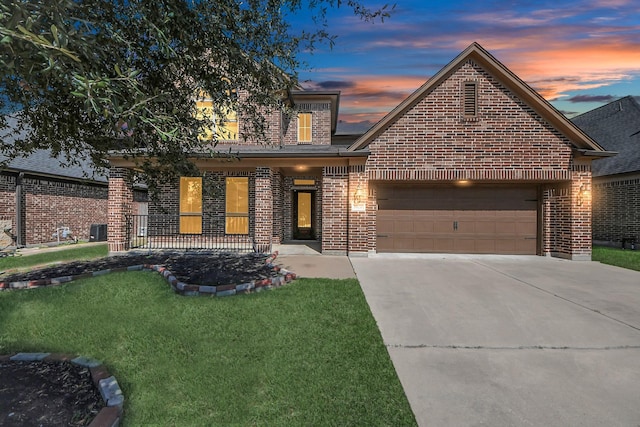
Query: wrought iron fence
{"type": "Point", "coordinates": [163, 232]}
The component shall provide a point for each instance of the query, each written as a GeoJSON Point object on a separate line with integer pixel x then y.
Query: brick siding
{"type": "Point", "coordinates": [263, 208]}
{"type": "Point", "coordinates": [120, 205]}
{"type": "Point", "coordinates": [335, 188]}
{"type": "Point", "coordinates": [616, 209]}
{"type": "Point", "coordinates": [508, 141]}
{"type": "Point", "coordinates": [213, 199]}
{"type": "Point", "coordinates": [49, 203]}
{"type": "Point", "coordinates": [361, 223]}
{"type": "Point", "coordinates": [320, 124]}
{"type": "Point", "coordinates": [277, 186]}
{"type": "Point", "coordinates": [432, 141]}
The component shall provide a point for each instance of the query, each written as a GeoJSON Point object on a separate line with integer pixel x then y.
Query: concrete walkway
{"type": "Point", "coordinates": [506, 341]}
{"type": "Point", "coordinates": [305, 259]}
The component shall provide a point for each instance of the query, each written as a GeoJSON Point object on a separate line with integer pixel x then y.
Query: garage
{"type": "Point", "coordinates": [449, 219]}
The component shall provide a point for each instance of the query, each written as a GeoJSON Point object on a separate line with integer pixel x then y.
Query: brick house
{"type": "Point", "coordinates": [474, 161]}
{"type": "Point", "coordinates": [38, 197]}
{"type": "Point", "coordinates": [616, 180]}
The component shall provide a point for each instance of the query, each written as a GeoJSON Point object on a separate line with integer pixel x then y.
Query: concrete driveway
{"type": "Point", "coordinates": [509, 341]}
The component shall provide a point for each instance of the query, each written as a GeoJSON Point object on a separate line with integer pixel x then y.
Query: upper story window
{"type": "Point", "coordinates": [470, 100]}
{"type": "Point", "coordinates": [190, 205]}
{"type": "Point", "coordinates": [224, 125]}
{"type": "Point", "coordinates": [304, 128]}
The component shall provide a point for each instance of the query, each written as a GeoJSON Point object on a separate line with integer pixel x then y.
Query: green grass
{"type": "Point", "coordinates": [73, 253]}
{"type": "Point", "coordinates": [618, 257]}
{"type": "Point", "coordinates": [306, 354]}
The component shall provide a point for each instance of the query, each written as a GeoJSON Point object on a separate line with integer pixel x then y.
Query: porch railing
{"type": "Point", "coordinates": [163, 232]}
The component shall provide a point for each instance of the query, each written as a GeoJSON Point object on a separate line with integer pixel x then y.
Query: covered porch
{"type": "Point", "coordinates": [248, 205]}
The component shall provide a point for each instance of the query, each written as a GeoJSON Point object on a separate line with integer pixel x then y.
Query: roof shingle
{"type": "Point", "coordinates": [615, 127]}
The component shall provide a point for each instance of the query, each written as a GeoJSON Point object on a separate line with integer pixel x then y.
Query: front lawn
{"type": "Point", "coordinates": [306, 354]}
{"type": "Point", "coordinates": [618, 257]}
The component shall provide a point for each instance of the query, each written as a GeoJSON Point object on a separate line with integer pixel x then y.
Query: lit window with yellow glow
{"type": "Point", "coordinates": [225, 126]}
{"type": "Point", "coordinates": [190, 205]}
{"type": "Point", "coordinates": [304, 210]}
{"type": "Point", "coordinates": [304, 127]}
{"type": "Point", "coordinates": [237, 205]}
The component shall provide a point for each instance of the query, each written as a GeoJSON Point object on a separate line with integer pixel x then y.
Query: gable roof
{"type": "Point", "coordinates": [616, 127]}
{"type": "Point", "coordinates": [582, 142]}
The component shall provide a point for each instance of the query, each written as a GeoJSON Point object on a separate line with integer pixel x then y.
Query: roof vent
{"type": "Point", "coordinates": [470, 100]}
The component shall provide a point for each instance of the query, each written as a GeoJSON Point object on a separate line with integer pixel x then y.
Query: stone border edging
{"type": "Point", "coordinates": [107, 385]}
{"type": "Point", "coordinates": [284, 276]}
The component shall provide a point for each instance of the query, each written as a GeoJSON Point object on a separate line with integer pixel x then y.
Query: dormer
{"type": "Point", "coordinates": [314, 119]}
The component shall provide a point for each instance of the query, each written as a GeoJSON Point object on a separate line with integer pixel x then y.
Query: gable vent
{"type": "Point", "coordinates": [470, 100]}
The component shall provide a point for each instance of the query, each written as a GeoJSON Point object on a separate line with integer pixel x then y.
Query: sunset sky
{"type": "Point", "coordinates": [577, 54]}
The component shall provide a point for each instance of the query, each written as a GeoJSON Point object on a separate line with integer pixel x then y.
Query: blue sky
{"type": "Point", "coordinates": [578, 54]}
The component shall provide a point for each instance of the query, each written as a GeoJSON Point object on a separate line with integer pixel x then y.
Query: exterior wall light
{"type": "Point", "coordinates": [583, 194]}
{"type": "Point", "coordinates": [359, 200]}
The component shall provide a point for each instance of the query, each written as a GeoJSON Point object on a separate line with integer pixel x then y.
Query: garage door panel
{"type": "Point", "coordinates": [425, 226]}
{"type": "Point", "coordinates": [459, 220]}
{"type": "Point", "coordinates": [486, 227]}
{"type": "Point", "coordinates": [464, 245]}
{"type": "Point", "coordinates": [506, 246]}
{"type": "Point", "coordinates": [403, 225]}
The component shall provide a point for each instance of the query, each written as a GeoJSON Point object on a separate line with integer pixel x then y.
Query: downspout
{"type": "Point", "coordinates": [281, 132]}
{"type": "Point", "coordinates": [19, 232]}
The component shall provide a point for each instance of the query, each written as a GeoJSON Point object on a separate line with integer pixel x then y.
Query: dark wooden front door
{"type": "Point", "coordinates": [303, 217]}
{"type": "Point", "coordinates": [495, 220]}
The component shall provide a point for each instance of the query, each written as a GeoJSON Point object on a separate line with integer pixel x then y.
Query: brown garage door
{"type": "Point", "coordinates": [493, 220]}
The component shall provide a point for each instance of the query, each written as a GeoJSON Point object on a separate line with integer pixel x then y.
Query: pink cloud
{"type": "Point", "coordinates": [556, 70]}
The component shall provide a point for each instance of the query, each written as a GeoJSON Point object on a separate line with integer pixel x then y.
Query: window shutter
{"type": "Point", "coordinates": [470, 99]}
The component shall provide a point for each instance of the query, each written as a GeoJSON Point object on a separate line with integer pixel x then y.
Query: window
{"type": "Point", "coordinates": [306, 182]}
{"type": "Point", "coordinates": [237, 205]}
{"type": "Point", "coordinates": [225, 125]}
{"type": "Point", "coordinates": [304, 127]}
{"type": "Point", "coordinates": [470, 100]}
{"type": "Point", "coordinates": [190, 205]}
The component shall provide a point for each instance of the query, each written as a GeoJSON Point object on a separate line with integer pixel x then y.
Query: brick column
{"type": "Point", "coordinates": [581, 211]}
{"type": "Point", "coordinates": [119, 205]}
{"type": "Point", "coordinates": [547, 244]}
{"type": "Point", "coordinates": [335, 188]}
{"type": "Point", "coordinates": [278, 207]}
{"type": "Point", "coordinates": [360, 212]}
{"type": "Point", "coordinates": [264, 209]}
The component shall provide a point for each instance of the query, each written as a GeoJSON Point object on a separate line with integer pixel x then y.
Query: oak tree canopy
{"type": "Point", "coordinates": [84, 77]}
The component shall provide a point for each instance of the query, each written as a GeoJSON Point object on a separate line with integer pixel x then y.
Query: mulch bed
{"type": "Point", "coordinates": [47, 394]}
{"type": "Point", "coordinates": [209, 269]}
{"type": "Point", "coordinates": [62, 394]}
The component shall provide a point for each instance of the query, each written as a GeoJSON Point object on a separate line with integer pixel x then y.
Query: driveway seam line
{"type": "Point", "coordinates": [557, 296]}
{"type": "Point", "coordinates": [526, 347]}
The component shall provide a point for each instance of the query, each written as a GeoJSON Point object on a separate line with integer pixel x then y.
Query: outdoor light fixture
{"type": "Point", "coordinates": [583, 194]}
{"type": "Point", "coordinates": [358, 202]}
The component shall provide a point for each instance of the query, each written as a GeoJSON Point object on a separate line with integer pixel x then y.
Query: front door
{"type": "Point", "coordinates": [303, 204]}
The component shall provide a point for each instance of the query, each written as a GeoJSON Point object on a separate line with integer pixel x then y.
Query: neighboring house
{"type": "Point", "coordinates": [616, 181]}
{"type": "Point", "coordinates": [474, 161]}
{"type": "Point", "coordinates": [40, 199]}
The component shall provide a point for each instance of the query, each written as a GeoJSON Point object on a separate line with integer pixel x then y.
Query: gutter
{"type": "Point", "coordinates": [276, 155]}
{"type": "Point", "coordinates": [595, 153]}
